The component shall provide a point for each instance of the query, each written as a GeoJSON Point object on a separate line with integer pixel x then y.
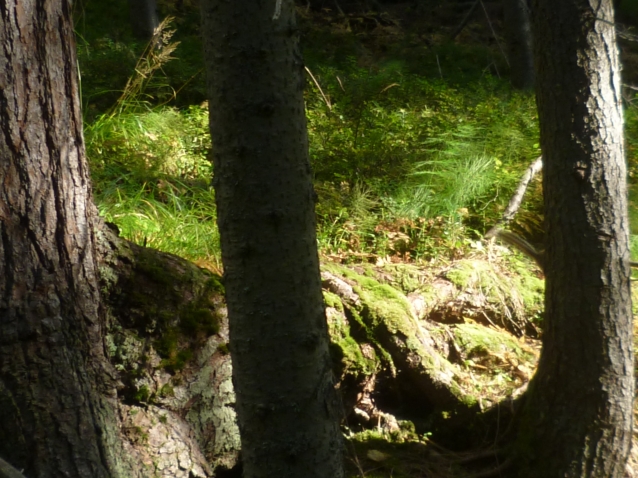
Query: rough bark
{"type": "Point", "coordinates": [577, 420]}
{"type": "Point", "coordinates": [57, 390]}
{"type": "Point", "coordinates": [286, 402]}
{"type": "Point", "coordinates": [518, 32]}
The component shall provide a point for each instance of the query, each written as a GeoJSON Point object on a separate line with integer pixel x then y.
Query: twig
{"type": "Point", "coordinates": [465, 21]}
{"type": "Point", "coordinates": [479, 455]}
{"type": "Point", "coordinates": [388, 87]}
{"type": "Point", "coordinates": [7, 471]}
{"type": "Point", "coordinates": [489, 22]}
{"type": "Point", "coordinates": [277, 13]}
{"type": "Point", "coordinates": [517, 198]}
{"type": "Point", "coordinates": [319, 88]}
{"type": "Point", "coordinates": [439, 65]}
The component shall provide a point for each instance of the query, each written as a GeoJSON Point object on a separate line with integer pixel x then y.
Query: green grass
{"type": "Point", "coordinates": [407, 165]}
{"type": "Point", "coordinates": [404, 166]}
{"type": "Point", "coordinates": [152, 178]}
{"type": "Point", "coordinates": [171, 217]}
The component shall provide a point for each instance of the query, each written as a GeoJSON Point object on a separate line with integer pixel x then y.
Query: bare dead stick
{"type": "Point", "coordinates": [7, 471]}
{"type": "Point", "coordinates": [489, 22]}
{"type": "Point", "coordinates": [517, 198]}
{"type": "Point", "coordinates": [325, 99]}
{"type": "Point", "coordinates": [465, 21]}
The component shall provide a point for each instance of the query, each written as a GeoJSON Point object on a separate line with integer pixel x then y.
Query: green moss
{"type": "Point", "coordinates": [166, 391]}
{"type": "Point", "coordinates": [531, 290]}
{"type": "Point", "coordinates": [214, 284]}
{"type": "Point", "coordinates": [368, 271]}
{"type": "Point", "coordinates": [149, 262]}
{"type": "Point", "coordinates": [371, 338]}
{"type": "Point", "coordinates": [478, 340]}
{"type": "Point", "coordinates": [223, 349]}
{"type": "Point", "coordinates": [386, 305]}
{"type": "Point", "coordinates": [381, 305]}
{"type": "Point", "coordinates": [353, 359]}
{"type": "Point", "coordinates": [519, 295]}
{"type": "Point", "coordinates": [406, 277]}
{"type": "Point", "coordinates": [183, 356]}
{"type": "Point", "coordinates": [142, 395]}
{"type": "Point", "coordinates": [143, 301]}
{"type": "Point", "coordinates": [332, 300]}
{"type": "Point", "coordinates": [142, 435]}
{"type": "Point", "coordinates": [176, 321]}
{"type": "Point", "coordinates": [176, 361]}
{"type": "Point", "coordinates": [166, 345]}
{"type": "Point", "coordinates": [196, 318]}
{"type": "Point", "coordinates": [471, 273]}
{"type": "Point", "coordinates": [406, 432]}
{"type": "Point", "coordinates": [385, 314]}
{"type": "Point", "coordinates": [344, 349]}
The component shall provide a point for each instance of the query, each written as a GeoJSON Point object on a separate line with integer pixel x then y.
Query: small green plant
{"type": "Point", "coordinates": [143, 394]}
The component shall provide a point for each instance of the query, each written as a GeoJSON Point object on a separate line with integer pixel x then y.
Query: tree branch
{"type": "Point", "coordinates": [517, 198]}
{"type": "Point", "coordinates": [7, 471]}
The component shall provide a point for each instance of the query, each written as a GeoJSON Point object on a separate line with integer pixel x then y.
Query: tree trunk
{"type": "Point", "coordinates": [518, 31]}
{"type": "Point", "coordinates": [577, 419]}
{"type": "Point", "coordinates": [144, 18]}
{"type": "Point", "coordinates": [278, 333]}
{"type": "Point", "coordinates": [57, 395]}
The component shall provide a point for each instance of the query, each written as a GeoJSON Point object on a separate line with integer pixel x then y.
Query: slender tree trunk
{"type": "Point", "coordinates": [57, 400]}
{"type": "Point", "coordinates": [265, 200]}
{"type": "Point", "coordinates": [577, 420]}
{"type": "Point", "coordinates": [518, 31]}
{"type": "Point", "coordinates": [144, 18]}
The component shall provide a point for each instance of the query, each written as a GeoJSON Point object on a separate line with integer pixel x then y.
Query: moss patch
{"type": "Point", "coordinates": [508, 299]}
{"type": "Point", "coordinates": [172, 304]}
{"type": "Point", "coordinates": [346, 352]}
{"type": "Point", "coordinates": [478, 340]}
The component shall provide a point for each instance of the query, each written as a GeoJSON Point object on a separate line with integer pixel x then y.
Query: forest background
{"type": "Point", "coordinates": [416, 141]}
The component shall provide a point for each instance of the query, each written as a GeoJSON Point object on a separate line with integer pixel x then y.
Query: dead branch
{"type": "Point", "coordinates": [7, 471]}
{"type": "Point", "coordinates": [517, 198]}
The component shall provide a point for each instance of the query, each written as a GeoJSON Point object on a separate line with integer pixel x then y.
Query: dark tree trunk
{"type": "Point", "coordinates": [278, 333]}
{"type": "Point", "coordinates": [57, 400]}
{"type": "Point", "coordinates": [518, 31]}
{"type": "Point", "coordinates": [577, 419]}
{"type": "Point", "coordinates": [144, 18]}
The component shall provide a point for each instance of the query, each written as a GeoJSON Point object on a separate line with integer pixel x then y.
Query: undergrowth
{"type": "Point", "coordinates": [407, 166]}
